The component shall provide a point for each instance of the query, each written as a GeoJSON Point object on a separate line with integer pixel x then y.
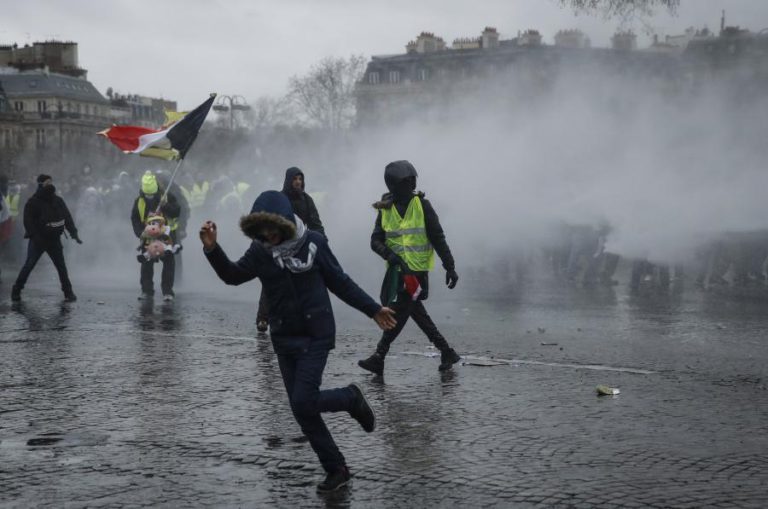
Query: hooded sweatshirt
{"type": "Point", "coordinates": [299, 305]}
{"type": "Point", "coordinates": [46, 216]}
{"type": "Point", "coordinates": [302, 203]}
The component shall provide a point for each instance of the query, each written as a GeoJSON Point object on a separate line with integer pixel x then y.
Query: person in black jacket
{"type": "Point", "coordinates": [152, 199]}
{"type": "Point", "coordinates": [46, 216]}
{"type": "Point", "coordinates": [302, 203]}
{"type": "Point", "coordinates": [400, 178]}
{"type": "Point", "coordinates": [297, 268]}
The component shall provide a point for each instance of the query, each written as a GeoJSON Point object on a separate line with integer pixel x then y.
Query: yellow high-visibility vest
{"type": "Point", "coordinates": [173, 222]}
{"type": "Point", "coordinates": [407, 236]}
{"type": "Point", "coordinates": [196, 196]}
{"type": "Point", "coordinates": [241, 188]}
{"type": "Point", "coordinates": [13, 204]}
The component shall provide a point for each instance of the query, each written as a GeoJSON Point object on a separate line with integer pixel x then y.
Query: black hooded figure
{"type": "Point", "coordinates": [302, 203]}
{"type": "Point", "coordinates": [400, 178]}
{"type": "Point", "coordinates": [46, 216]}
{"type": "Point", "coordinates": [297, 268]}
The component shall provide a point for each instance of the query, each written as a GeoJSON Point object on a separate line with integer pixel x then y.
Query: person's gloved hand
{"type": "Point", "coordinates": [396, 260]}
{"type": "Point", "coordinates": [77, 239]}
{"type": "Point", "coordinates": [451, 278]}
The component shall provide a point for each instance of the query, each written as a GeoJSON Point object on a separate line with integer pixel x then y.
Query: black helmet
{"type": "Point", "coordinates": [397, 171]}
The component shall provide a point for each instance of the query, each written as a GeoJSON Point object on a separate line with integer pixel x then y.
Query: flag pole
{"type": "Point", "coordinates": [168, 186]}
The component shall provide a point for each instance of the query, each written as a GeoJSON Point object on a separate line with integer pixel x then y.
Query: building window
{"type": "Point", "coordinates": [422, 75]}
{"type": "Point", "coordinates": [18, 106]}
{"type": "Point", "coordinates": [40, 138]}
{"type": "Point", "coordinates": [373, 78]}
{"type": "Point", "coordinates": [42, 107]}
{"type": "Point", "coordinates": [394, 76]}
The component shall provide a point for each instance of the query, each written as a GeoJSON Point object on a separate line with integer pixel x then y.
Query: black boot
{"type": "Point", "coordinates": [448, 358]}
{"type": "Point", "coordinates": [15, 293]}
{"type": "Point", "coordinates": [374, 364]}
{"type": "Point", "coordinates": [70, 296]}
{"type": "Point", "coordinates": [361, 411]}
{"type": "Point", "coordinates": [335, 480]}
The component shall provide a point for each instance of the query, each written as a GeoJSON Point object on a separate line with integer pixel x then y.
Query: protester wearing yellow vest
{"type": "Point", "coordinates": [195, 195]}
{"type": "Point", "coordinates": [149, 201]}
{"type": "Point", "coordinates": [407, 234]}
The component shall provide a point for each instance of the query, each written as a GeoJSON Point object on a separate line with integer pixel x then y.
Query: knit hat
{"type": "Point", "coordinates": [43, 177]}
{"type": "Point", "coordinates": [148, 183]}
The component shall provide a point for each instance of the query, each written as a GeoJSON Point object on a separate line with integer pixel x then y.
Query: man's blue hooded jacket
{"type": "Point", "coordinates": [299, 306]}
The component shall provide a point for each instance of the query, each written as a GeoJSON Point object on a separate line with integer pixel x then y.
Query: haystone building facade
{"type": "Point", "coordinates": [431, 75]}
{"type": "Point", "coordinates": [50, 113]}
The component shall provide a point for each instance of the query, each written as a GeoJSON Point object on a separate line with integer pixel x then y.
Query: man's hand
{"type": "Point", "coordinates": [396, 260]}
{"type": "Point", "coordinates": [208, 235]}
{"type": "Point", "coordinates": [78, 240]}
{"type": "Point", "coordinates": [451, 278]}
{"type": "Point", "coordinates": [385, 318]}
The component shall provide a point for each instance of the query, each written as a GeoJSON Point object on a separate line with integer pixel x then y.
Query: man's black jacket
{"type": "Point", "coordinates": [46, 216]}
{"type": "Point", "coordinates": [302, 203]}
{"type": "Point", "coordinates": [170, 210]}
{"type": "Point", "coordinates": [435, 235]}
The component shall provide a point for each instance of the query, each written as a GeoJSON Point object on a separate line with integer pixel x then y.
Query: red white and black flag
{"type": "Point", "coordinates": [170, 143]}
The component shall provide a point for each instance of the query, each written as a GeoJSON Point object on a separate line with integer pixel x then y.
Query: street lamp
{"type": "Point", "coordinates": [230, 103]}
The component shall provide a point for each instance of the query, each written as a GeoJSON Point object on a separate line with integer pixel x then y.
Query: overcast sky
{"type": "Point", "coordinates": [183, 49]}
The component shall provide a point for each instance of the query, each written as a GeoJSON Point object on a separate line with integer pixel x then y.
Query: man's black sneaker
{"type": "Point", "coordinates": [262, 325]}
{"type": "Point", "coordinates": [146, 296]}
{"type": "Point", "coordinates": [361, 411]}
{"type": "Point", "coordinates": [335, 480]}
{"type": "Point", "coordinates": [374, 364]}
{"type": "Point", "coordinates": [15, 294]}
{"type": "Point", "coordinates": [448, 358]}
{"type": "Point", "coordinates": [70, 296]}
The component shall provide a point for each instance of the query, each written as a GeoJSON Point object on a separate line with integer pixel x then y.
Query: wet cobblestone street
{"type": "Point", "coordinates": [109, 402]}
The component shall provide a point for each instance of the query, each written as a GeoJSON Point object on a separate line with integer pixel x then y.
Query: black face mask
{"type": "Point", "coordinates": [48, 190]}
{"type": "Point", "coordinates": [403, 190]}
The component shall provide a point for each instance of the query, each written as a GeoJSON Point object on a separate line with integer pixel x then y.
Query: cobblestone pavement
{"type": "Point", "coordinates": [108, 402]}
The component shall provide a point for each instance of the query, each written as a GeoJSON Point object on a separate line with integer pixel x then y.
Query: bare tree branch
{"type": "Point", "coordinates": [621, 8]}
{"type": "Point", "coordinates": [325, 95]}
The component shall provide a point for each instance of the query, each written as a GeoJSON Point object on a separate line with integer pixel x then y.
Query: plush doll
{"type": "Point", "coordinates": [156, 240]}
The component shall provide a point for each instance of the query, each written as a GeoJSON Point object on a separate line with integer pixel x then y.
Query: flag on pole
{"type": "Point", "coordinates": [171, 117]}
{"type": "Point", "coordinates": [170, 143]}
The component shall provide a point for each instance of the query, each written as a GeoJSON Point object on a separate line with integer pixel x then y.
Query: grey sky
{"type": "Point", "coordinates": [183, 49]}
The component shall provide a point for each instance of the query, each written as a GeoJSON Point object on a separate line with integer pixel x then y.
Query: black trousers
{"type": "Point", "coordinates": [55, 251]}
{"type": "Point", "coordinates": [302, 374]}
{"type": "Point", "coordinates": [407, 308]}
{"type": "Point", "coordinates": [166, 278]}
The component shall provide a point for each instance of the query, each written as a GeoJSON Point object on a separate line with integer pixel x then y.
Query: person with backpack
{"type": "Point", "coordinates": [46, 216]}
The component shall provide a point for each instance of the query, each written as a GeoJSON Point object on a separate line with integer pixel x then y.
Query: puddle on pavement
{"type": "Point", "coordinates": [44, 440]}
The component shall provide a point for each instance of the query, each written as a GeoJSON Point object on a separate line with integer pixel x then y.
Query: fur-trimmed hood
{"type": "Point", "coordinates": [271, 209]}
{"type": "Point", "coordinates": [388, 199]}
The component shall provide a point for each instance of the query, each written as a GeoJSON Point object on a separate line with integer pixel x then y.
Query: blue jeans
{"type": "Point", "coordinates": [302, 372]}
